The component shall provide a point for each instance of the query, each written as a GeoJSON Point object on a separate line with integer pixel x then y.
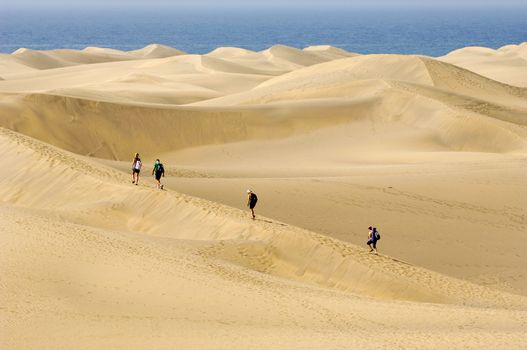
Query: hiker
{"type": "Point", "coordinates": [136, 168]}
{"type": "Point", "coordinates": [251, 201]}
{"type": "Point", "coordinates": [158, 171]}
{"type": "Point", "coordinates": [373, 237]}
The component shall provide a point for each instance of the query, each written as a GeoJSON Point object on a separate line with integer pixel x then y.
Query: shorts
{"type": "Point", "coordinates": [136, 171]}
{"type": "Point", "coordinates": [371, 241]}
{"type": "Point", "coordinates": [158, 175]}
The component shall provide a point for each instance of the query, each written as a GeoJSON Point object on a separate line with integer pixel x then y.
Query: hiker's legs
{"type": "Point", "coordinates": [375, 246]}
{"type": "Point", "coordinates": [158, 179]}
{"type": "Point", "coordinates": [252, 212]}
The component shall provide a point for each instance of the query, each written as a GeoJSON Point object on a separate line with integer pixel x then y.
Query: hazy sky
{"type": "Point", "coordinates": [266, 3]}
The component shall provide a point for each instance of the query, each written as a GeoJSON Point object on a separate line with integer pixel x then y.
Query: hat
{"type": "Point", "coordinates": [249, 191]}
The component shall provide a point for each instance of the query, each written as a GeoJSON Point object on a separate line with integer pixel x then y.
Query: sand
{"type": "Point", "coordinates": [506, 64]}
{"type": "Point", "coordinates": [431, 151]}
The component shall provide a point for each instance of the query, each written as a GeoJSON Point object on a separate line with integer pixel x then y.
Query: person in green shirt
{"type": "Point", "coordinates": [158, 171]}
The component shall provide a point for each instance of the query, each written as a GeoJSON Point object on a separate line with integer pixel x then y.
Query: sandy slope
{"type": "Point", "coordinates": [147, 263]}
{"type": "Point", "coordinates": [432, 153]}
{"type": "Point", "coordinates": [507, 64]}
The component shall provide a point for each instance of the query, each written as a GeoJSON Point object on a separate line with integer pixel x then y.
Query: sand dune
{"type": "Point", "coordinates": [502, 64]}
{"type": "Point", "coordinates": [9, 64]}
{"type": "Point", "coordinates": [330, 52]}
{"type": "Point", "coordinates": [63, 58]}
{"type": "Point", "coordinates": [405, 69]}
{"type": "Point", "coordinates": [27, 59]}
{"type": "Point", "coordinates": [67, 177]}
{"type": "Point", "coordinates": [156, 70]}
{"type": "Point", "coordinates": [454, 108]}
{"type": "Point", "coordinates": [430, 150]}
{"type": "Point", "coordinates": [292, 57]}
{"type": "Point", "coordinates": [156, 51]}
{"type": "Point", "coordinates": [84, 261]}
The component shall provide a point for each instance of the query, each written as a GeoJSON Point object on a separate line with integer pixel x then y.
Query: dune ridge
{"type": "Point", "coordinates": [502, 64]}
{"type": "Point", "coordinates": [315, 258]}
{"type": "Point", "coordinates": [62, 58]}
{"type": "Point", "coordinates": [454, 105]}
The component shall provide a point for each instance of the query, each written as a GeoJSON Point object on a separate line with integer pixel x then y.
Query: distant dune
{"type": "Point", "coordinates": [63, 58]}
{"type": "Point", "coordinates": [430, 150]}
{"type": "Point", "coordinates": [245, 88]}
{"type": "Point", "coordinates": [504, 64]}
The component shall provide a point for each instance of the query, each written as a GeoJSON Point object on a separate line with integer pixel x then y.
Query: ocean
{"type": "Point", "coordinates": [426, 31]}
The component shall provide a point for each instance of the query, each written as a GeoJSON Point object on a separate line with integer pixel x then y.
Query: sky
{"type": "Point", "coordinates": [265, 3]}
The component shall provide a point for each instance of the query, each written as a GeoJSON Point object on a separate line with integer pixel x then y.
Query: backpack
{"type": "Point", "coordinates": [377, 235]}
{"type": "Point", "coordinates": [254, 198]}
{"type": "Point", "coordinates": [160, 168]}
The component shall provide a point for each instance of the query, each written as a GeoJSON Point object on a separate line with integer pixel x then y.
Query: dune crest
{"type": "Point", "coordinates": [53, 59]}
{"type": "Point", "coordinates": [502, 64]}
{"type": "Point", "coordinates": [262, 89]}
{"type": "Point", "coordinates": [156, 51]}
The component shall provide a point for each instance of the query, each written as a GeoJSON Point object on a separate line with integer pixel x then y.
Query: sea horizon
{"type": "Point", "coordinates": [432, 31]}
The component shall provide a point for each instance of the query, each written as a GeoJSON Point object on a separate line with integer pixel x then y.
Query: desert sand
{"type": "Point", "coordinates": [506, 64]}
{"type": "Point", "coordinates": [432, 151]}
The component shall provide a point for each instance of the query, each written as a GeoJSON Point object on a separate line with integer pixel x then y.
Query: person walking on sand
{"type": "Point", "coordinates": [373, 237]}
{"type": "Point", "coordinates": [136, 168]}
{"type": "Point", "coordinates": [158, 171]}
{"type": "Point", "coordinates": [252, 198]}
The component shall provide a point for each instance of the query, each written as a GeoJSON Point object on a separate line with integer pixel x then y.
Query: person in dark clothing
{"type": "Point", "coordinates": [158, 171]}
{"type": "Point", "coordinates": [251, 201]}
{"type": "Point", "coordinates": [372, 239]}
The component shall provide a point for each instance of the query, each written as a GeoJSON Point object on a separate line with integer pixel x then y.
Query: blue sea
{"type": "Point", "coordinates": [428, 31]}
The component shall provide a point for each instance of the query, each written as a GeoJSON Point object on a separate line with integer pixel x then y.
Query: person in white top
{"type": "Point", "coordinates": [136, 168]}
